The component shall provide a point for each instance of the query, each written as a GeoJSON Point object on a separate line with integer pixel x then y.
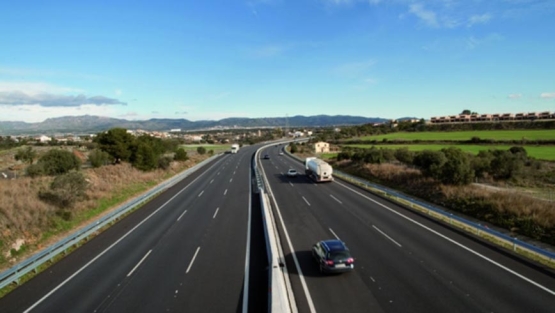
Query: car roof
{"type": "Point", "coordinates": [334, 245]}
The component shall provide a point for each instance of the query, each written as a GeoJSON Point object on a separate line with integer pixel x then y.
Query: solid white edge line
{"type": "Point", "coordinates": [306, 201]}
{"type": "Point", "coordinates": [192, 261]}
{"type": "Point", "coordinates": [141, 261]}
{"type": "Point", "coordinates": [386, 236]}
{"type": "Point", "coordinates": [216, 213]}
{"type": "Point", "coordinates": [112, 245]}
{"type": "Point", "coordinates": [334, 198]}
{"type": "Point", "coordinates": [334, 234]}
{"type": "Point", "coordinates": [455, 243]}
{"type": "Point", "coordinates": [180, 216]}
{"type": "Point", "coordinates": [248, 252]}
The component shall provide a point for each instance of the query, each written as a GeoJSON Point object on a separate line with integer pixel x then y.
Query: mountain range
{"type": "Point", "coordinates": [87, 124]}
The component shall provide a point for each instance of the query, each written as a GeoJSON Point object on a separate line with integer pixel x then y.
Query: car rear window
{"type": "Point", "coordinates": [339, 255]}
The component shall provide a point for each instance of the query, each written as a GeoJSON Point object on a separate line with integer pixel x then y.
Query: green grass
{"type": "Point", "coordinates": [538, 152]}
{"type": "Point", "coordinates": [216, 148]}
{"type": "Point", "coordinates": [543, 134]}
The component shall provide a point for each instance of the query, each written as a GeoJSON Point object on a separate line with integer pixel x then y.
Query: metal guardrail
{"type": "Point", "coordinates": [492, 235]}
{"type": "Point", "coordinates": [14, 274]}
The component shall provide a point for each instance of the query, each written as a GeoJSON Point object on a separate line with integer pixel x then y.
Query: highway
{"type": "Point", "coordinates": [404, 262]}
{"type": "Point", "coordinates": [185, 251]}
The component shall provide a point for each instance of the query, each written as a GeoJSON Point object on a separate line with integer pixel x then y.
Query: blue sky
{"type": "Point", "coordinates": [212, 59]}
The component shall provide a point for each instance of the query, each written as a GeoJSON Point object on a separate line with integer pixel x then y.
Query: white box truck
{"type": "Point", "coordinates": [234, 148]}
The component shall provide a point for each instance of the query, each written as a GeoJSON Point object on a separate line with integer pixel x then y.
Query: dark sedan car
{"type": "Point", "coordinates": [333, 256]}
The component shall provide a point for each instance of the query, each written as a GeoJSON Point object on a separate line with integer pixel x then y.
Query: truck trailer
{"type": "Point", "coordinates": [318, 170]}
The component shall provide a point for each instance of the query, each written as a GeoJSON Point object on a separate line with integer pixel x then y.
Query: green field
{"type": "Point", "coordinates": [543, 134]}
{"type": "Point", "coordinates": [216, 148]}
{"type": "Point", "coordinates": [538, 152]}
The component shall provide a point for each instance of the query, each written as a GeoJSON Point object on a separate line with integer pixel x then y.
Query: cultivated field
{"type": "Point", "coordinates": [538, 152]}
{"type": "Point", "coordinates": [543, 134]}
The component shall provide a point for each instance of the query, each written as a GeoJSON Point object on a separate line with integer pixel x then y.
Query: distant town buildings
{"type": "Point", "coordinates": [471, 118]}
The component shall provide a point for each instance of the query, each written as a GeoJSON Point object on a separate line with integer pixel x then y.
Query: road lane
{"type": "Point", "coordinates": [400, 265]}
{"type": "Point", "coordinates": [147, 269]}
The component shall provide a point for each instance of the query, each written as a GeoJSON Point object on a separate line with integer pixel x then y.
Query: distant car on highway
{"type": "Point", "coordinates": [292, 172]}
{"type": "Point", "coordinates": [333, 256]}
{"type": "Point", "coordinates": [281, 153]}
{"type": "Point", "coordinates": [266, 156]}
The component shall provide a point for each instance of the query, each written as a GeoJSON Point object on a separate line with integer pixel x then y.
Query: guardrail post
{"type": "Point", "coordinates": [514, 244]}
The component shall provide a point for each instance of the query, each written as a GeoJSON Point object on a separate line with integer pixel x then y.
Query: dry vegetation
{"type": "Point", "coordinates": [25, 219]}
{"type": "Point", "coordinates": [520, 213]}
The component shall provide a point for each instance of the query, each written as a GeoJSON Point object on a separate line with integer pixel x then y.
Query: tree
{"type": "Point", "coordinates": [57, 161]}
{"type": "Point", "coordinates": [466, 112]}
{"type": "Point", "coordinates": [144, 157]}
{"type": "Point", "coordinates": [26, 155]}
{"type": "Point", "coordinates": [457, 170]}
{"type": "Point", "coordinates": [180, 155]}
{"type": "Point", "coordinates": [430, 162]}
{"type": "Point", "coordinates": [117, 142]}
{"type": "Point", "coordinates": [201, 150]}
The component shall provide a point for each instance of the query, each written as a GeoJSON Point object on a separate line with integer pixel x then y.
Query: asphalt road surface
{"type": "Point", "coordinates": [405, 262]}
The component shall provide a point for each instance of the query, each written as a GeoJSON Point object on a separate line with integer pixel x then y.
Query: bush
{"type": "Point", "coordinates": [65, 190]}
{"type": "Point", "coordinates": [35, 170]}
{"type": "Point", "coordinates": [144, 157]}
{"type": "Point", "coordinates": [164, 162]}
{"type": "Point", "coordinates": [180, 155]}
{"type": "Point", "coordinates": [430, 162]}
{"type": "Point", "coordinates": [201, 150]}
{"type": "Point", "coordinates": [457, 170]}
{"type": "Point", "coordinates": [404, 155]}
{"type": "Point", "coordinates": [99, 158]}
{"type": "Point", "coordinates": [57, 162]}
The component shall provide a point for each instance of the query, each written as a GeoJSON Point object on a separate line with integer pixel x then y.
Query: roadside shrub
{"type": "Point", "coordinates": [35, 170]}
{"type": "Point", "coordinates": [430, 162]}
{"type": "Point", "coordinates": [457, 170]}
{"type": "Point", "coordinates": [180, 155]}
{"type": "Point", "coordinates": [210, 152]}
{"type": "Point", "coordinates": [164, 162]}
{"type": "Point", "coordinates": [99, 158]}
{"type": "Point", "coordinates": [404, 155]}
{"type": "Point", "coordinates": [57, 162]}
{"type": "Point", "coordinates": [65, 190]}
{"type": "Point", "coordinates": [201, 150]}
{"type": "Point", "coordinates": [144, 157]}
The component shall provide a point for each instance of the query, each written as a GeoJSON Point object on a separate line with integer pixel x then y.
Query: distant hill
{"type": "Point", "coordinates": [86, 124]}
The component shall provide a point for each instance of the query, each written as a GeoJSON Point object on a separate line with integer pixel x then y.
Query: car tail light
{"type": "Point", "coordinates": [350, 261]}
{"type": "Point", "coordinates": [329, 262]}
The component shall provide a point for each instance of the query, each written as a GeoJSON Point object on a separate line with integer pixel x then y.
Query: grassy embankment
{"type": "Point", "coordinates": [28, 224]}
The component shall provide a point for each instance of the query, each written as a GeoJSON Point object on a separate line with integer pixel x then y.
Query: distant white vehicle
{"type": "Point", "coordinates": [234, 148]}
{"type": "Point", "coordinates": [292, 172]}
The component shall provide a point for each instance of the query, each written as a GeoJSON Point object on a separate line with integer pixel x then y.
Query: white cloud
{"type": "Point", "coordinates": [478, 19]}
{"type": "Point", "coordinates": [427, 16]}
{"type": "Point", "coordinates": [548, 95]}
{"type": "Point", "coordinates": [515, 96]}
{"type": "Point", "coordinates": [16, 97]}
{"type": "Point", "coordinates": [36, 113]}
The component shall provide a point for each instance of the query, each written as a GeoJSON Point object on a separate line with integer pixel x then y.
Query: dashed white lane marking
{"type": "Point", "coordinates": [141, 261]}
{"type": "Point", "coordinates": [192, 261]}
